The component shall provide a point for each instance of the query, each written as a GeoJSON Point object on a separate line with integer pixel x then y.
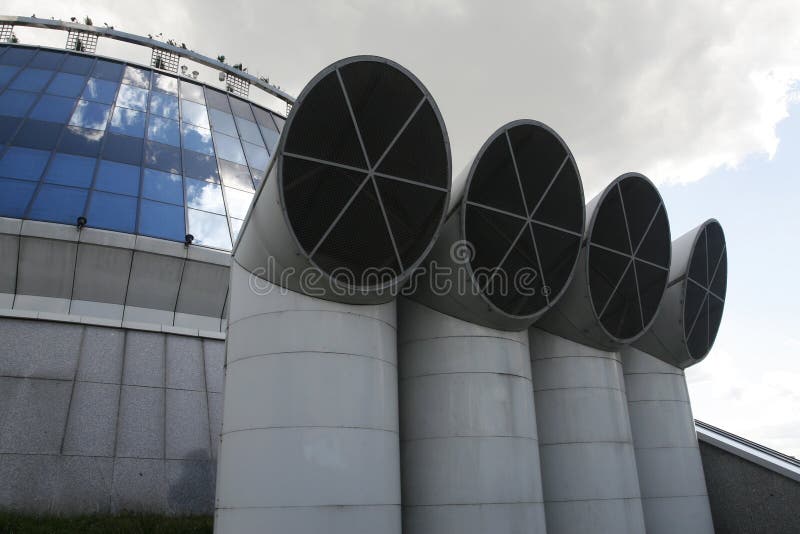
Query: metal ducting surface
{"type": "Point", "coordinates": [622, 270]}
{"type": "Point", "coordinates": [358, 188]}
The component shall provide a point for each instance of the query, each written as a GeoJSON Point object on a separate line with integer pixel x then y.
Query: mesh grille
{"type": "Point", "coordinates": [524, 218]}
{"type": "Point", "coordinates": [629, 256]}
{"type": "Point", "coordinates": [365, 171]}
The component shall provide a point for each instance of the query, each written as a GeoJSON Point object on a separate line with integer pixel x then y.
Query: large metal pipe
{"type": "Point", "coordinates": [674, 495]}
{"type": "Point", "coordinates": [588, 463]}
{"type": "Point", "coordinates": [352, 202]}
{"type": "Point", "coordinates": [468, 426]}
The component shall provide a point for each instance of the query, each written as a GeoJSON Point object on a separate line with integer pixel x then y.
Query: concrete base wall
{"type": "Point", "coordinates": [100, 420]}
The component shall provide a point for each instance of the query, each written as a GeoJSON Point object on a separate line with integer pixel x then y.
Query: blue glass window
{"type": "Point", "coordinates": [64, 84]}
{"type": "Point", "coordinates": [248, 131]}
{"type": "Point", "coordinates": [234, 175]}
{"type": "Point", "coordinates": [58, 204]}
{"type": "Point", "coordinates": [100, 91]}
{"type": "Point", "coordinates": [81, 141]}
{"type": "Point", "coordinates": [161, 220]}
{"type": "Point", "coordinates": [270, 137]}
{"type": "Point", "coordinates": [47, 60]}
{"type": "Point", "coordinates": [128, 122]}
{"type": "Point", "coordinates": [197, 139]}
{"type": "Point", "coordinates": [23, 163]}
{"type": "Point", "coordinates": [90, 115]}
{"type": "Point", "coordinates": [222, 122]}
{"type": "Point", "coordinates": [163, 157]}
{"type": "Point", "coordinates": [162, 186]}
{"type": "Point", "coordinates": [192, 91]}
{"type": "Point", "coordinates": [16, 103]}
{"type": "Point", "coordinates": [217, 100]}
{"type": "Point", "coordinates": [165, 84]}
{"type": "Point", "coordinates": [164, 131]}
{"type": "Point", "coordinates": [17, 56]}
{"type": "Point", "coordinates": [8, 125]}
{"type": "Point", "coordinates": [264, 117]}
{"type": "Point", "coordinates": [238, 202]}
{"type": "Point", "coordinates": [257, 156]}
{"type": "Point", "coordinates": [6, 73]}
{"type": "Point", "coordinates": [14, 197]}
{"type": "Point", "coordinates": [117, 178]}
{"type": "Point", "coordinates": [136, 76]}
{"type": "Point", "coordinates": [123, 148]}
{"type": "Point", "coordinates": [241, 109]}
{"type": "Point", "coordinates": [236, 225]}
{"type": "Point", "coordinates": [164, 105]}
{"type": "Point", "coordinates": [107, 70]}
{"type": "Point", "coordinates": [193, 113]}
{"type": "Point", "coordinates": [204, 196]}
{"type": "Point", "coordinates": [208, 229]}
{"type": "Point", "coordinates": [67, 169]}
{"type": "Point", "coordinates": [200, 166]}
{"type": "Point", "coordinates": [229, 148]}
{"type": "Point", "coordinates": [53, 108]}
{"type": "Point", "coordinates": [38, 134]}
{"type": "Point", "coordinates": [132, 97]}
{"type": "Point", "coordinates": [112, 212]}
{"type": "Point", "coordinates": [32, 80]}
{"type": "Point", "coordinates": [279, 122]}
{"type": "Point", "coordinates": [77, 64]}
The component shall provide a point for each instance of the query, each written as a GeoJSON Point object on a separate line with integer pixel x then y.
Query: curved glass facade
{"type": "Point", "coordinates": [130, 148]}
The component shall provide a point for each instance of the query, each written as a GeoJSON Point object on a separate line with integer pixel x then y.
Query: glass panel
{"type": "Point", "coordinates": [64, 84]}
{"type": "Point", "coordinates": [128, 122]}
{"type": "Point", "coordinates": [67, 169]}
{"type": "Point", "coordinates": [161, 220]}
{"type": "Point", "coordinates": [132, 97]}
{"type": "Point", "coordinates": [8, 126]}
{"type": "Point", "coordinates": [163, 131]}
{"type": "Point", "coordinates": [100, 91]}
{"type": "Point", "coordinates": [264, 117]}
{"type": "Point", "coordinates": [193, 92]}
{"type": "Point", "coordinates": [200, 166]}
{"type": "Point", "coordinates": [204, 196]}
{"type": "Point", "coordinates": [117, 178]}
{"type": "Point", "coordinates": [257, 156]}
{"type": "Point", "coordinates": [6, 73]}
{"type": "Point", "coordinates": [14, 197]}
{"type": "Point", "coordinates": [162, 186]}
{"type": "Point", "coordinates": [108, 70]}
{"type": "Point", "coordinates": [123, 148]}
{"type": "Point", "coordinates": [197, 139]}
{"type": "Point", "coordinates": [90, 115]}
{"type": "Point", "coordinates": [241, 109]}
{"type": "Point", "coordinates": [217, 100]}
{"type": "Point", "coordinates": [162, 157]}
{"type": "Point", "coordinates": [77, 64]}
{"type": "Point", "coordinates": [249, 131]}
{"type": "Point", "coordinates": [234, 175]}
{"type": "Point", "coordinates": [236, 225]}
{"type": "Point", "coordinates": [53, 108]}
{"type": "Point", "coordinates": [136, 76]}
{"type": "Point", "coordinates": [112, 212]}
{"type": "Point", "coordinates": [17, 56]}
{"type": "Point", "coordinates": [193, 113]}
{"type": "Point", "coordinates": [16, 103]}
{"type": "Point", "coordinates": [23, 163]}
{"type": "Point", "coordinates": [32, 80]}
{"type": "Point", "coordinates": [164, 105]}
{"type": "Point", "coordinates": [222, 122]}
{"type": "Point", "coordinates": [270, 138]}
{"type": "Point", "coordinates": [229, 148]}
{"type": "Point", "coordinates": [165, 84]}
{"type": "Point", "coordinates": [58, 204]}
{"type": "Point", "coordinates": [38, 134]}
{"type": "Point", "coordinates": [208, 229]}
{"type": "Point", "coordinates": [279, 121]}
{"type": "Point", "coordinates": [47, 60]}
{"type": "Point", "coordinates": [81, 141]}
{"type": "Point", "coordinates": [238, 202]}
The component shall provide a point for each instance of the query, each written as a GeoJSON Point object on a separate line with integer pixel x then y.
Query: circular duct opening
{"type": "Point", "coordinates": [704, 290]}
{"type": "Point", "coordinates": [629, 253]}
{"type": "Point", "coordinates": [364, 172]}
{"type": "Point", "coordinates": [523, 216]}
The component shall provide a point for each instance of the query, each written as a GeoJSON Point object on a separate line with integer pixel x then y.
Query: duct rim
{"type": "Point", "coordinates": [280, 154]}
{"type": "Point", "coordinates": [464, 202]}
{"type": "Point", "coordinates": [614, 186]}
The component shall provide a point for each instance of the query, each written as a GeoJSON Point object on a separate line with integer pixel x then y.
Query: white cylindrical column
{"type": "Point", "coordinates": [470, 461]}
{"type": "Point", "coordinates": [674, 495]}
{"type": "Point", "coordinates": [588, 464]}
{"type": "Point", "coordinates": [310, 425]}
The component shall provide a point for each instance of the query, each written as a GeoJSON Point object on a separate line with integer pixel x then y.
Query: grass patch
{"type": "Point", "coordinates": [105, 524]}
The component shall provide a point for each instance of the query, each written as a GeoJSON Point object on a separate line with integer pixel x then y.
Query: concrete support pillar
{"type": "Point", "coordinates": [470, 458]}
{"type": "Point", "coordinates": [674, 496]}
{"type": "Point", "coordinates": [589, 473]}
{"type": "Point", "coordinates": [310, 426]}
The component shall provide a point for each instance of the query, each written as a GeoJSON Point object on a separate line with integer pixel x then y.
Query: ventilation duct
{"type": "Point", "coordinates": [353, 200]}
{"type": "Point", "coordinates": [674, 495]}
{"type": "Point", "coordinates": [468, 426]}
